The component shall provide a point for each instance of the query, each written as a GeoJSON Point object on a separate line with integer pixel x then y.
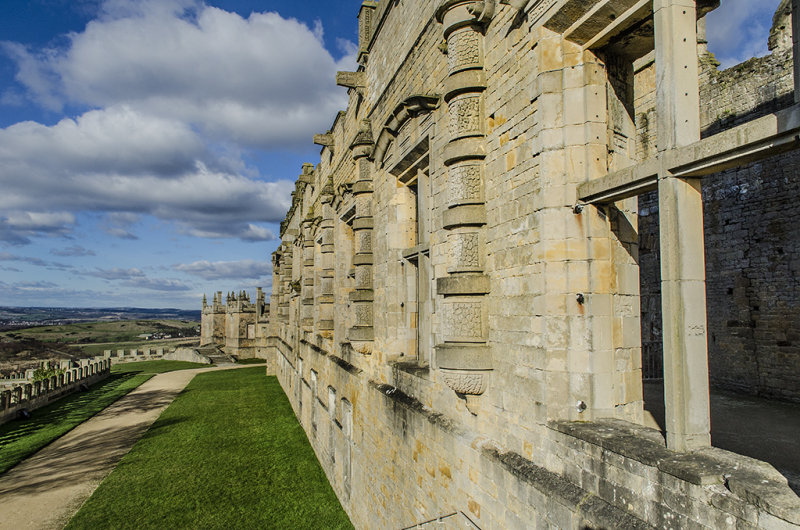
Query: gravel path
{"type": "Point", "coordinates": [45, 490]}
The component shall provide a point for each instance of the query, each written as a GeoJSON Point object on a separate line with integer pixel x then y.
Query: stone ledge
{"type": "Point", "coordinates": [362, 186]}
{"type": "Point", "coordinates": [466, 215]}
{"type": "Point", "coordinates": [464, 149]}
{"type": "Point", "coordinates": [464, 81]}
{"type": "Point", "coordinates": [463, 284]}
{"type": "Point", "coordinates": [752, 480]}
{"type": "Point", "coordinates": [594, 510]}
{"type": "Point", "coordinates": [363, 223]}
{"type": "Point", "coordinates": [362, 259]}
{"type": "Point", "coordinates": [362, 295]}
{"type": "Point", "coordinates": [463, 356]}
{"type": "Point", "coordinates": [361, 334]}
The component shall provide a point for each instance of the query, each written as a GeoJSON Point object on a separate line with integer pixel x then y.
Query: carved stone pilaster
{"type": "Point", "coordinates": [362, 297]}
{"type": "Point", "coordinates": [325, 290]}
{"type": "Point", "coordinates": [462, 355]}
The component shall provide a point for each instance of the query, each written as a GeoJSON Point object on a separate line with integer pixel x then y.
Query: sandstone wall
{"type": "Point", "coordinates": [466, 203]}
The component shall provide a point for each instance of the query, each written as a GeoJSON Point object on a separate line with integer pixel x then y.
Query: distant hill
{"type": "Point", "coordinates": [23, 317]}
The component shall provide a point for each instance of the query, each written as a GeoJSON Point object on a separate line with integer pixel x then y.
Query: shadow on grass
{"type": "Point", "coordinates": [76, 459]}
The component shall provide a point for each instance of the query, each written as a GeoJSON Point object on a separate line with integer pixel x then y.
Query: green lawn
{"type": "Point", "coordinates": [19, 439]}
{"type": "Point", "coordinates": [154, 367]}
{"type": "Point", "coordinates": [228, 453]}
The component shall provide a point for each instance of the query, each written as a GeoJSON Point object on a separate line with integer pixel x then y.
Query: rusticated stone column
{"type": "Point", "coordinates": [362, 297]}
{"type": "Point", "coordinates": [307, 280]}
{"type": "Point", "coordinates": [325, 275]}
{"type": "Point", "coordinates": [462, 355]}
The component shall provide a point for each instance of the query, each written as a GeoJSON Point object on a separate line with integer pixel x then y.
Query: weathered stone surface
{"type": "Point", "coordinates": [479, 333]}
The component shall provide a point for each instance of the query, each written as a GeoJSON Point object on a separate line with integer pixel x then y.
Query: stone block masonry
{"type": "Point", "coordinates": [455, 313]}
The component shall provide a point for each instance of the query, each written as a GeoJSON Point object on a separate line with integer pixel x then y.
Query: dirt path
{"type": "Point", "coordinates": [44, 491]}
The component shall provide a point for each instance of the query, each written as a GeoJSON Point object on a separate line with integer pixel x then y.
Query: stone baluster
{"type": "Point", "coordinates": [462, 354]}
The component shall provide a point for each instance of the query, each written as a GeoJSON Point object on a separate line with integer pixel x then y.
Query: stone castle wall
{"type": "Point", "coordinates": [455, 336]}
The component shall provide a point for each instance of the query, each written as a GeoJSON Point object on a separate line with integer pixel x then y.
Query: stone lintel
{"type": "Point", "coordinates": [351, 79]}
{"type": "Point", "coordinates": [464, 215]}
{"type": "Point", "coordinates": [363, 223]}
{"type": "Point", "coordinates": [325, 299]}
{"type": "Point", "coordinates": [325, 140]}
{"type": "Point", "coordinates": [361, 333]}
{"type": "Point", "coordinates": [308, 301]}
{"type": "Point", "coordinates": [464, 356]}
{"type": "Point", "coordinates": [460, 284]}
{"type": "Point", "coordinates": [308, 263]}
{"type": "Point", "coordinates": [308, 243]}
{"type": "Point", "coordinates": [473, 147]}
{"type": "Point", "coordinates": [362, 295]}
{"type": "Point", "coordinates": [363, 259]}
{"type": "Point", "coordinates": [327, 248]}
{"type": "Point", "coordinates": [752, 141]}
{"type": "Point", "coordinates": [325, 325]}
{"type": "Point", "coordinates": [308, 282]}
{"type": "Point", "coordinates": [464, 81]}
{"type": "Point", "coordinates": [362, 186]}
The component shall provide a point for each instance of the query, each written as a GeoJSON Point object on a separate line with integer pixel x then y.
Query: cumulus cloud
{"type": "Point", "coordinates": [264, 80]}
{"type": "Point", "coordinates": [75, 251]}
{"type": "Point", "coordinates": [179, 93]}
{"type": "Point", "coordinates": [228, 270]}
{"type": "Point", "coordinates": [739, 29]}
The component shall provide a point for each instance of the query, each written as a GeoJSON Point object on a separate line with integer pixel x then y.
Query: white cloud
{"type": "Point", "coordinates": [116, 274]}
{"type": "Point", "coordinates": [228, 270]}
{"type": "Point", "coordinates": [264, 80]}
{"type": "Point", "coordinates": [179, 93]}
{"type": "Point", "coordinates": [739, 29]}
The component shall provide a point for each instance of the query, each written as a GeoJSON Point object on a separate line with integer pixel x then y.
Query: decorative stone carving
{"type": "Point", "coordinates": [325, 140]}
{"type": "Point", "coordinates": [363, 277]}
{"type": "Point", "coordinates": [472, 382]}
{"type": "Point", "coordinates": [464, 184]}
{"type": "Point", "coordinates": [464, 251]}
{"type": "Point", "coordinates": [463, 320]}
{"type": "Point", "coordinates": [363, 312]}
{"type": "Point", "coordinates": [463, 50]}
{"type": "Point", "coordinates": [364, 243]}
{"type": "Point", "coordinates": [465, 115]}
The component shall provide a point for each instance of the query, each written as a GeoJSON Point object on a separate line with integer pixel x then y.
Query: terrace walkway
{"type": "Point", "coordinates": [45, 490]}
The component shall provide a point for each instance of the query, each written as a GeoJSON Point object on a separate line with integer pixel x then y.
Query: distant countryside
{"type": "Point", "coordinates": [31, 335]}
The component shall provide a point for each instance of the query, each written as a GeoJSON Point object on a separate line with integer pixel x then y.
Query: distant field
{"type": "Point", "coordinates": [102, 332]}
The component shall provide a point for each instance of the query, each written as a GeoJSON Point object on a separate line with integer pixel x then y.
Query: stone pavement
{"type": "Point", "coordinates": [45, 490]}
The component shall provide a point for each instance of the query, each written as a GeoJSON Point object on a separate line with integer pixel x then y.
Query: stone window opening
{"type": "Point", "coordinates": [418, 296]}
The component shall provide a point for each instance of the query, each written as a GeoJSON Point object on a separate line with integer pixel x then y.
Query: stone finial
{"type": "Point", "coordinates": [365, 24]}
{"type": "Point", "coordinates": [351, 79]}
{"type": "Point", "coordinates": [205, 301]}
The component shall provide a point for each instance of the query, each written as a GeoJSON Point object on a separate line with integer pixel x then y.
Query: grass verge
{"type": "Point", "coordinates": [251, 361]}
{"type": "Point", "coordinates": [227, 453]}
{"type": "Point", "coordinates": [154, 367]}
{"type": "Point", "coordinates": [20, 439]}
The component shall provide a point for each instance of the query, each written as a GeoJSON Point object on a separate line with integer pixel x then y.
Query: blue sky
{"type": "Point", "coordinates": [148, 147]}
